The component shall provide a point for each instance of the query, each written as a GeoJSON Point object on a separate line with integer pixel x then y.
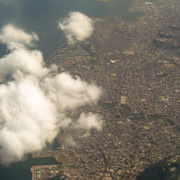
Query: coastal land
{"type": "Point", "coordinates": [137, 66]}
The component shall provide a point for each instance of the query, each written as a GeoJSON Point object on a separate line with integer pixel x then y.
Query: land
{"type": "Point", "coordinates": [137, 66]}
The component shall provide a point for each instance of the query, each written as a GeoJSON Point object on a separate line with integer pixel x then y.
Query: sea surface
{"type": "Point", "coordinates": [42, 17]}
{"type": "Point", "coordinates": [21, 170]}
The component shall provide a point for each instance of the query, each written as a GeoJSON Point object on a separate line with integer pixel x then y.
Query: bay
{"type": "Point", "coordinates": [21, 170]}
{"type": "Point", "coordinates": [43, 16]}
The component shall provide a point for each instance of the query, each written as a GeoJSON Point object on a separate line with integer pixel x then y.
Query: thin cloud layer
{"type": "Point", "coordinates": [34, 104]}
{"type": "Point", "coordinates": [76, 27]}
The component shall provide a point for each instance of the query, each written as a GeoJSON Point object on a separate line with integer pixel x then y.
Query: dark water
{"type": "Point", "coordinates": [21, 170]}
{"type": "Point", "coordinates": [42, 17]}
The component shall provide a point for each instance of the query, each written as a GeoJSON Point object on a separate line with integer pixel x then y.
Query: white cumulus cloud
{"type": "Point", "coordinates": [16, 38]}
{"type": "Point", "coordinates": [76, 27]}
{"type": "Point", "coordinates": [24, 61]}
{"type": "Point", "coordinates": [34, 104]}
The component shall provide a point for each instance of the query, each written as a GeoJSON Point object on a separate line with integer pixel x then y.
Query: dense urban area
{"type": "Point", "coordinates": [137, 66]}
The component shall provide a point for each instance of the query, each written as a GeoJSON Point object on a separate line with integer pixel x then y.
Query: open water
{"type": "Point", "coordinates": [42, 17]}
{"type": "Point", "coordinates": [21, 170]}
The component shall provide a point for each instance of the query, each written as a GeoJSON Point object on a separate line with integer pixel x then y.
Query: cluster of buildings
{"type": "Point", "coordinates": [137, 66]}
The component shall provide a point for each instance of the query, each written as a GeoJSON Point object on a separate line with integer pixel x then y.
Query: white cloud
{"type": "Point", "coordinates": [16, 38]}
{"type": "Point", "coordinates": [88, 121]}
{"type": "Point", "coordinates": [71, 93]}
{"type": "Point", "coordinates": [27, 119]}
{"type": "Point", "coordinates": [34, 104]}
{"type": "Point", "coordinates": [24, 61]}
{"type": "Point", "coordinates": [76, 27]}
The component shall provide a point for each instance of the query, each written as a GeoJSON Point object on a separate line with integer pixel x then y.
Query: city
{"type": "Point", "coordinates": [137, 67]}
